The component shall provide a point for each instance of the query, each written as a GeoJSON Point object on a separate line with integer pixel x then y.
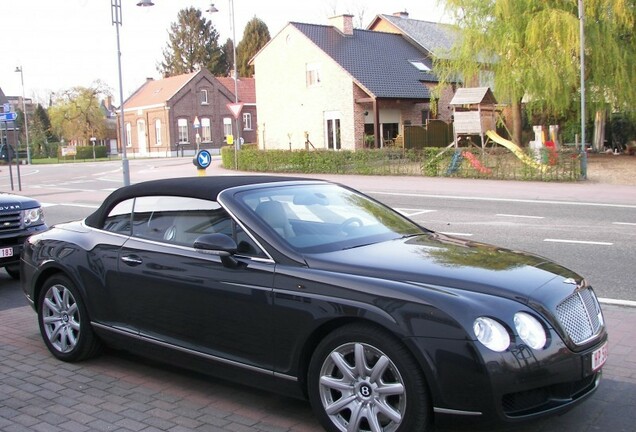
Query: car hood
{"type": "Point", "coordinates": [444, 261]}
{"type": "Point", "coordinates": [10, 202]}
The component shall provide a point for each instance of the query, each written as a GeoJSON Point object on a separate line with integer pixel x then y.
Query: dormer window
{"type": "Point", "coordinates": [419, 64]}
{"type": "Point", "coordinates": [203, 97]}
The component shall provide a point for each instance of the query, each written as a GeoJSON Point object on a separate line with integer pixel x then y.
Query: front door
{"type": "Point", "coordinates": [332, 130]}
{"type": "Point", "coordinates": [142, 138]}
{"type": "Point", "coordinates": [191, 300]}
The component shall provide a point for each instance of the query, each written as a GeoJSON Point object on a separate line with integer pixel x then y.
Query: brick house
{"type": "Point", "coordinates": [173, 116]}
{"type": "Point", "coordinates": [432, 38]}
{"type": "Point", "coordinates": [9, 133]}
{"type": "Point", "coordinates": [335, 87]}
{"type": "Point", "coordinates": [436, 39]}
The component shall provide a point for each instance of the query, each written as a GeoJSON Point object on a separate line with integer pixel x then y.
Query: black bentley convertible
{"type": "Point", "coordinates": [315, 290]}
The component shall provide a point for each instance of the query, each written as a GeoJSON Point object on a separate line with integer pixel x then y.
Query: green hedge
{"type": "Point", "coordinates": [494, 163]}
{"type": "Point", "coordinates": [86, 152]}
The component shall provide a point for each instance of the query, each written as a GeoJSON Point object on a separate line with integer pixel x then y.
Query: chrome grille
{"type": "Point", "coordinates": [580, 315]}
{"type": "Point", "coordinates": [10, 221]}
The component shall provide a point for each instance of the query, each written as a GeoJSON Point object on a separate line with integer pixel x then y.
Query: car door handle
{"type": "Point", "coordinates": [132, 260]}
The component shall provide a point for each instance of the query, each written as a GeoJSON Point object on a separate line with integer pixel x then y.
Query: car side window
{"type": "Point", "coordinates": [178, 220]}
{"type": "Point", "coordinates": [119, 220]}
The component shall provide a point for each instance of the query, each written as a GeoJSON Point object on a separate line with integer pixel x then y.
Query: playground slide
{"type": "Point", "coordinates": [516, 150]}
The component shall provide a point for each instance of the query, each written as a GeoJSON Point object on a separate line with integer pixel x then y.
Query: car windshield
{"type": "Point", "coordinates": [324, 218]}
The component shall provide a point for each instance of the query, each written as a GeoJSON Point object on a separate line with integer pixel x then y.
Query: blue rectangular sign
{"type": "Point", "coordinates": [8, 116]}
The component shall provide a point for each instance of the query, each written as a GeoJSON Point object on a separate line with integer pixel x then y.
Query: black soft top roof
{"type": "Point", "coordinates": [195, 187]}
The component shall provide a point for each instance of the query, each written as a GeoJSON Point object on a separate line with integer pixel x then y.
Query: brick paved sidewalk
{"type": "Point", "coordinates": [120, 392]}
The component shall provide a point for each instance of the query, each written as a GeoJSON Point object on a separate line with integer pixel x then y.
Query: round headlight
{"type": "Point", "coordinates": [493, 335]}
{"type": "Point", "coordinates": [33, 216]}
{"type": "Point", "coordinates": [530, 330]}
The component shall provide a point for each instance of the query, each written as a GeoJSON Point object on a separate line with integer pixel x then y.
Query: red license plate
{"type": "Point", "coordinates": [599, 357]}
{"type": "Point", "coordinates": [6, 252]}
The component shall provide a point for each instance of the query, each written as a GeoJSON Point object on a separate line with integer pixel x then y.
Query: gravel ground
{"type": "Point", "coordinates": [611, 169]}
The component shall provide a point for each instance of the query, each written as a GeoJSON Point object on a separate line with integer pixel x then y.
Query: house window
{"type": "Point", "coordinates": [313, 74]}
{"type": "Point", "coordinates": [158, 132]}
{"type": "Point", "coordinates": [182, 125]}
{"type": "Point", "coordinates": [206, 134]}
{"type": "Point", "coordinates": [419, 64]}
{"type": "Point", "coordinates": [128, 135]}
{"type": "Point", "coordinates": [247, 121]}
{"type": "Point", "coordinates": [227, 126]}
{"type": "Point", "coordinates": [203, 96]}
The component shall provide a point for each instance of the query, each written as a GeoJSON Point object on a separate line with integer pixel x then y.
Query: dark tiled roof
{"type": "Point", "coordinates": [433, 37]}
{"type": "Point", "coordinates": [378, 61]}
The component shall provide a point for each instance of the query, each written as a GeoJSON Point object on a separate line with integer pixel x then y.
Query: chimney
{"type": "Point", "coordinates": [344, 23]}
{"type": "Point", "coordinates": [403, 14]}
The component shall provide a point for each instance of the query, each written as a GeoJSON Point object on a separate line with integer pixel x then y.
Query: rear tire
{"type": "Point", "coordinates": [64, 322]}
{"type": "Point", "coordinates": [363, 375]}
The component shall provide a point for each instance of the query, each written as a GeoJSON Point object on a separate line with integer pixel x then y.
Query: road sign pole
{"type": "Point", "coordinates": [17, 159]}
{"type": "Point", "coordinates": [4, 132]}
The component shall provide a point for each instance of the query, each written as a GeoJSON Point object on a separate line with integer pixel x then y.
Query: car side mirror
{"type": "Point", "coordinates": [220, 245]}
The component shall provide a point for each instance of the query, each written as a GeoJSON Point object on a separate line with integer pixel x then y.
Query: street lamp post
{"type": "Point", "coordinates": [212, 9]}
{"type": "Point", "coordinates": [26, 122]}
{"type": "Point", "coordinates": [582, 59]}
{"type": "Point", "coordinates": [115, 11]}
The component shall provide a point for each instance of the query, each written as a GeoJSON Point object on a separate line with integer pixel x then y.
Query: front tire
{"type": "Point", "coordinates": [362, 379]}
{"type": "Point", "coordinates": [64, 322]}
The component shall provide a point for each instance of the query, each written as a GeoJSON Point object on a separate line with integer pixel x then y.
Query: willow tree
{"type": "Point", "coordinates": [255, 36]}
{"type": "Point", "coordinates": [193, 43]}
{"type": "Point", "coordinates": [532, 49]}
{"type": "Point", "coordinates": [76, 113]}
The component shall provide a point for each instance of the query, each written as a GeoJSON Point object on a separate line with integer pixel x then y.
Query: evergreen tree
{"type": "Point", "coordinates": [255, 36]}
{"type": "Point", "coordinates": [192, 45]}
{"type": "Point", "coordinates": [227, 57]}
{"type": "Point", "coordinates": [532, 47]}
{"type": "Point", "coordinates": [40, 134]}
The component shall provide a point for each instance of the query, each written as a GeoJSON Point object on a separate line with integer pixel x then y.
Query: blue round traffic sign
{"type": "Point", "coordinates": [203, 159]}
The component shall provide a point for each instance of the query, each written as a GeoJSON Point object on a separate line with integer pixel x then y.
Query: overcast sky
{"type": "Point", "coordinates": [65, 43]}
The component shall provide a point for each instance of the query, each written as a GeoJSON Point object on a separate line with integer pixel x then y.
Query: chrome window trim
{"type": "Point", "coordinates": [267, 259]}
{"type": "Point", "coordinates": [248, 232]}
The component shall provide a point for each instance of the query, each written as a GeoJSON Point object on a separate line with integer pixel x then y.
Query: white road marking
{"type": "Point", "coordinates": [520, 216]}
{"type": "Point", "coordinates": [93, 206]}
{"type": "Point", "coordinates": [610, 301]}
{"type": "Point", "coordinates": [578, 242]}
{"type": "Point", "coordinates": [624, 223]}
{"type": "Point", "coordinates": [412, 212]}
{"type": "Point", "coordinates": [455, 234]}
{"type": "Point", "coordinates": [573, 203]}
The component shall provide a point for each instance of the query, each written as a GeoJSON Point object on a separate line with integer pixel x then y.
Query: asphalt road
{"type": "Point", "coordinates": [585, 226]}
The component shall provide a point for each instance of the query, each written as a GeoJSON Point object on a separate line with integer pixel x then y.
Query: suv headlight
{"type": "Point", "coordinates": [491, 333]}
{"type": "Point", "coordinates": [530, 330]}
{"type": "Point", "coordinates": [34, 216]}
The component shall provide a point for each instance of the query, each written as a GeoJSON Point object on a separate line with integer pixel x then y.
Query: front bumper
{"type": "Point", "coordinates": [11, 245]}
{"type": "Point", "coordinates": [518, 384]}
